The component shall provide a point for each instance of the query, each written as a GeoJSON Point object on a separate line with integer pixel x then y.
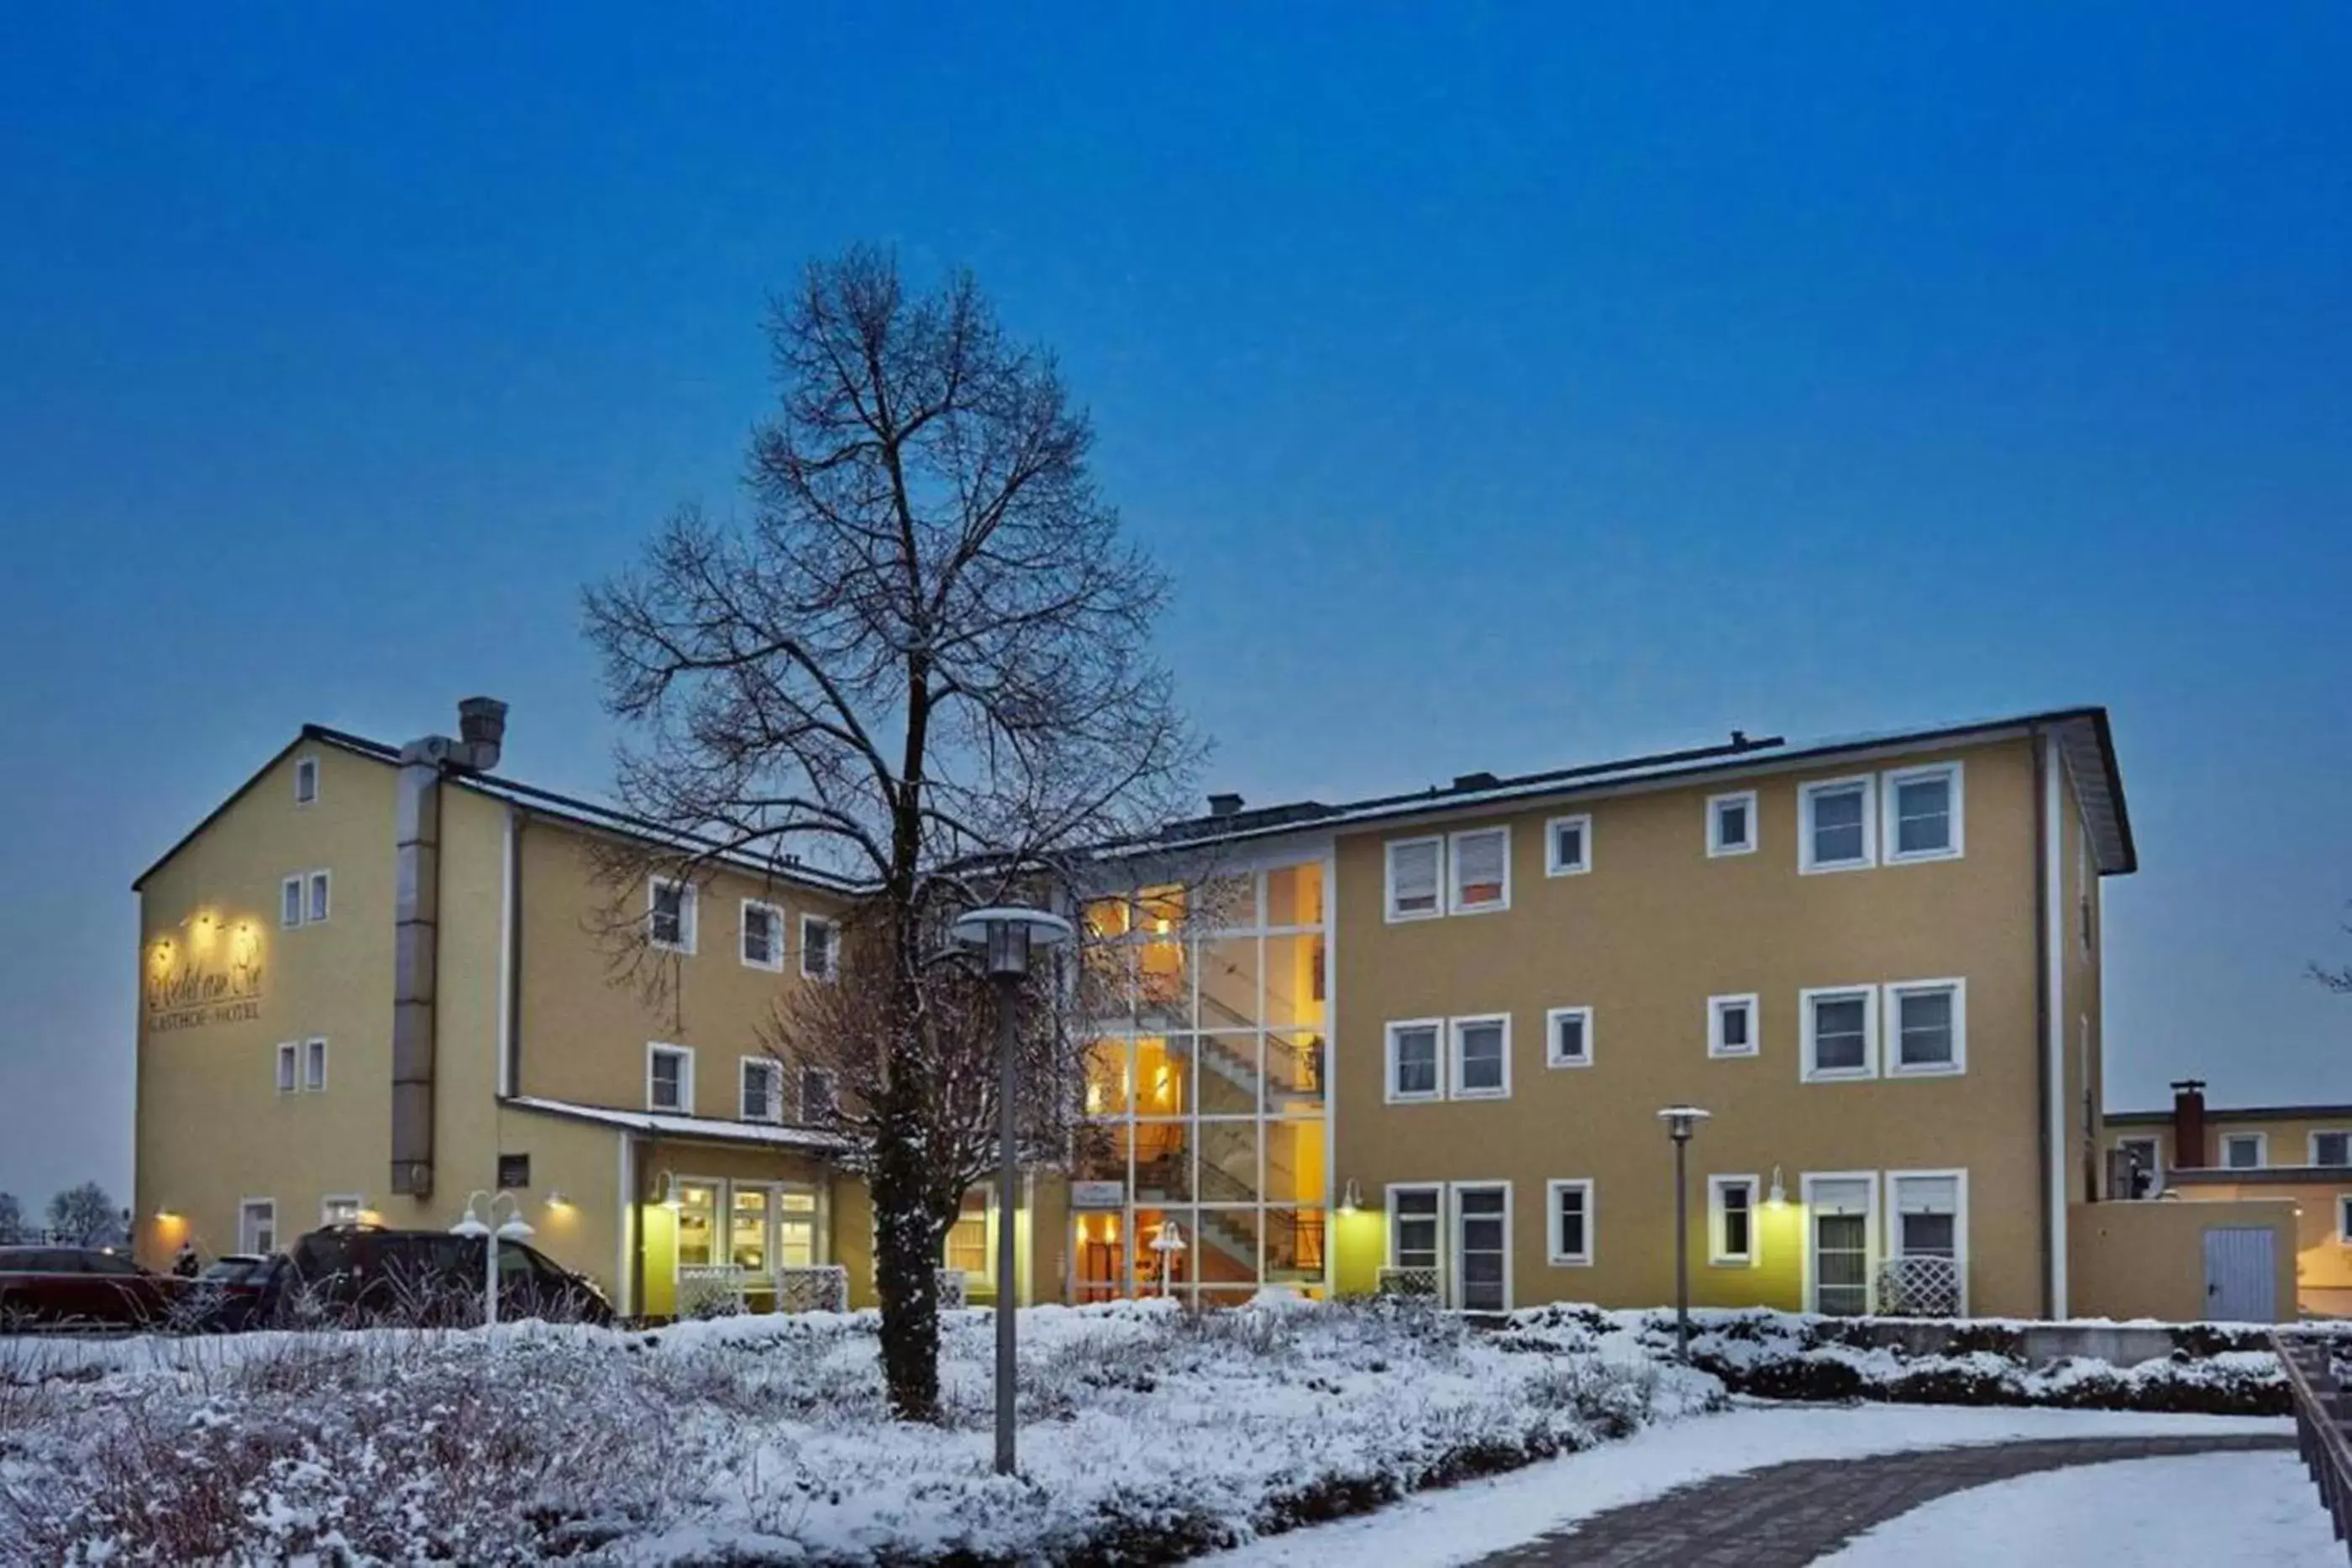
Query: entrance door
{"type": "Point", "coordinates": [1097, 1256]}
{"type": "Point", "coordinates": [1482, 1243]}
{"type": "Point", "coordinates": [2241, 1279]}
{"type": "Point", "coordinates": [1839, 1224]}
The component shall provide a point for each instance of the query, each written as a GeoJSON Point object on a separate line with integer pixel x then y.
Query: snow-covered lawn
{"type": "Point", "coordinates": [1470, 1521]}
{"type": "Point", "coordinates": [1145, 1431]}
{"type": "Point", "coordinates": [2250, 1511]}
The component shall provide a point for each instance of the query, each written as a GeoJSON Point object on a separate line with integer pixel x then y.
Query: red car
{"type": "Point", "coordinates": [71, 1287]}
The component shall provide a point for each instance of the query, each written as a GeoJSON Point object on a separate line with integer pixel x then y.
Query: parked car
{"type": "Point", "coordinates": [82, 1287]}
{"type": "Point", "coordinates": [235, 1291]}
{"type": "Point", "coordinates": [364, 1274]}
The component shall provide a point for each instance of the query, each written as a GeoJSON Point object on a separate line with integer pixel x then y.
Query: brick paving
{"type": "Point", "coordinates": [1785, 1516]}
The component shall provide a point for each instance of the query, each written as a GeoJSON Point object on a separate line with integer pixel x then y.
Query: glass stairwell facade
{"type": "Point", "coordinates": [1206, 1091]}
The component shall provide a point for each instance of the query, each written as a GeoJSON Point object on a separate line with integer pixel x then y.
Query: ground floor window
{"type": "Point", "coordinates": [256, 1225]}
{"type": "Point", "coordinates": [1840, 1255]}
{"type": "Point", "coordinates": [1731, 1219]}
{"type": "Point", "coordinates": [341, 1208]}
{"type": "Point", "coordinates": [967, 1247]}
{"type": "Point", "coordinates": [1481, 1246]}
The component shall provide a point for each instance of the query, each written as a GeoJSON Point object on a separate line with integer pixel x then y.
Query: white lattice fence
{"type": "Point", "coordinates": [1412, 1284]}
{"type": "Point", "coordinates": [709, 1290]}
{"type": "Point", "coordinates": [820, 1287]}
{"type": "Point", "coordinates": [1920, 1287]}
{"type": "Point", "coordinates": [955, 1290]}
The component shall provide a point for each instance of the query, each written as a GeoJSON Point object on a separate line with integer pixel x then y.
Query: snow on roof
{"type": "Point", "coordinates": [712, 1127]}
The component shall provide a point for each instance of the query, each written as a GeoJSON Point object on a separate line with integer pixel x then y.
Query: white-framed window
{"type": "Point", "coordinates": [1417, 1226]}
{"type": "Point", "coordinates": [342, 1208]}
{"type": "Point", "coordinates": [303, 898]}
{"type": "Point", "coordinates": [820, 947]}
{"type": "Point", "coordinates": [760, 1096]}
{"type": "Point", "coordinates": [318, 900]}
{"type": "Point", "coordinates": [1568, 845]}
{"type": "Point", "coordinates": [1927, 1027]}
{"type": "Point", "coordinates": [762, 945]}
{"type": "Point", "coordinates": [306, 781]}
{"type": "Point", "coordinates": [1841, 1027]}
{"type": "Point", "coordinates": [1735, 1025]}
{"type": "Point", "coordinates": [1928, 1216]}
{"type": "Point", "coordinates": [2343, 1217]}
{"type": "Point", "coordinates": [669, 1078]}
{"type": "Point", "coordinates": [289, 1066]}
{"type": "Point", "coordinates": [1922, 814]}
{"type": "Point", "coordinates": [1416, 877]}
{"type": "Point", "coordinates": [669, 914]}
{"type": "Point", "coordinates": [314, 1064]}
{"type": "Point", "coordinates": [1481, 1057]}
{"type": "Point", "coordinates": [2246, 1151]}
{"type": "Point", "coordinates": [256, 1225]}
{"type": "Point", "coordinates": [969, 1246]}
{"type": "Point", "coordinates": [817, 1101]}
{"type": "Point", "coordinates": [1731, 823]}
{"type": "Point", "coordinates": [2331, 1146]}
{"type": "Point", "coordinates": [1731, 1221]}
{"type": "Point", "coordinates": [1415, 1068]}
{"type": "Point", "coordinates": [2146, 1157]}
{"type": "Point", "coordinates": [1838, 828]}
{"type": "Point", "coordinates": [1481, 858]}
{"type": "Point", "coordinates": [1568, 1207]}
{"type": "Point", "coordinates": [1568, 1036]}
{"type": "Point", "coordinates": [289, 902]}
{"type": "Point", "coordinates": [1840, 1210]}
{"type": "Point", "coordinates": [1481, 1252]}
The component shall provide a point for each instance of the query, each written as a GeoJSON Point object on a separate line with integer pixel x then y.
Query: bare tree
{"type": "Point", "coordinates": [11, 1219]}
{"type": "Point", "coordinates": [85, 1216]}
{"type": "Point", "coordinates": [921, 663]}
{"type": "Point", "coordinates": [2336, 978]}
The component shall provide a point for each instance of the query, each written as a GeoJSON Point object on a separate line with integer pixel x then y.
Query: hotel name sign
{"type": "Point", "coordinates": [212, 975]}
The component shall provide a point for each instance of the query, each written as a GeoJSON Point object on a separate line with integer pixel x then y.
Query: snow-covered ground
{"type": "Point", "coordinates": [2250, 1511]}
{"type": "Point", "coordinates": [1467, 1522]}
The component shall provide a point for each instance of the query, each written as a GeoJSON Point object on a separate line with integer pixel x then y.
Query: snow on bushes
{"type": "Point", "coordinates": [1148, 1435]}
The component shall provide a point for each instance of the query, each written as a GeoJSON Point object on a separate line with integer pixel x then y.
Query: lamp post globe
{"type": "Point", "coordinates": [1003, 936]}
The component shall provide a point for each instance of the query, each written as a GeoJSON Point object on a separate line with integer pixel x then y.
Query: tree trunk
{"type": "Point", "coordinates": [906, 1275]}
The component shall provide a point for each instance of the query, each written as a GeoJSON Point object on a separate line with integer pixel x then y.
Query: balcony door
{"type": "Point", "coordinates": [1482, 1248]}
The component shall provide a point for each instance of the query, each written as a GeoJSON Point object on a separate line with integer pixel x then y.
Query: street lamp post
{"type": "Point", "coordinates": [516, 1229]}
{"type": "Point", "coordinates": [1681, 1122]}
{"type": "Point", "coordinates": [1004, 935]}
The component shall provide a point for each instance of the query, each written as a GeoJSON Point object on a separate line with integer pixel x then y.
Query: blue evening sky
{"type": "Point", "coordinates": [1503, 386]}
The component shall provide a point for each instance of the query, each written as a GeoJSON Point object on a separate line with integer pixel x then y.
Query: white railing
{"type": "Point", "coordinates": [1413, 1284]}
{"type": "Point", "coordinates": [954, 1290]}
{"type": "Point", "coordinates": [816, 1288]}
{"type": "Point", "coordinates": [1920, 1287]}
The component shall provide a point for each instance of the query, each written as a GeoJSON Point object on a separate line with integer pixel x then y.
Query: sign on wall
{"type": "Point", "coordinates": [209, 975]}
{"type": "Point", "coordinates": [1098, 1194]}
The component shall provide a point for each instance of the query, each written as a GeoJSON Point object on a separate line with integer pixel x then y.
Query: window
{"type": "Point", "coordinates": [1929, 1021]}
{"type": "Point", "coordinates": [1482, 870]}
{"type": "Point", "coordinates": [289, 902]}
{"type": "Point", "coordinates": [669, 1078]}
{"type": "Point", "coordinates": [2331, 1148]}
{"type": "Point", "coordinates": [1731, 1221]}
{"type": "Point", "coordinates": [1482, 1057]}
{"type": "Point", "coordinates": [761, 1098]}
{"type": "Point", "coordinates": [256, 1225]}
{"type": "Point", "coordinates": [1482, 1245]}
{"type": "Point", "coordinates": [2343, 1217]}
{"type": "Point", "coordinates": [1930, 1220]}
{"type": "Point", "coordinates": [2147, 1165]}
{"type": "Point", "coordinates": [817, 1101]}
{"type": "Point", "coordinates": [1841, 1032]}
{"type": "Point", "coordinates": [1412, 1059]}
{"type": "Point", "coordinates": [763, 934]}
{"type": "Point", "coordinates": [820, 947]}
{"type": "Point", "coordinates": [1839, 1211]}
{"type": "Point", "coordinates": [1732, 1029]}
{"type": "Point", "coordinates": [1571, 1206]}
{"type": "Point", "coordinates": [1413, 1227]}
{"type": "Point", "coordinates": [1922, 814]}
{"type": "Point", "coordinates": [1731, 823]}
{"type": "Point", "coordinates": [1838, 831]}
{"type": "Point", "coordinates": [318, 911]}
{"type": "Point", "coordinates": [1415, 868]}
{"type": "Point", "coordinates": [289, 1057]}
{"type": "Point", "coordinates": [341, 1208]}
{"type": "Point", "coordinates": [306, 781]}
{"type": "Point", "coordinates": [967, 1244]}
{"type": "Point", "coordinates": [314, 1065]}
{"type": "Point", "coordinates": [2245, 1151]}
{"type": "Point", "coordinates": [669, 913]}
{"type": "Point", "coordinates": [1567, 846]}
{"type": "Point", "coordinates": [1569, 1031]}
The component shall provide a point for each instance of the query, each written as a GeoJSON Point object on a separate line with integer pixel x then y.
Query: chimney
{"type": "Point", "coordinates": [1464, 781]}
{"type": "Point", "coordinates": [416, 926]}
{"type": "Point", "coordinates": [2188, 1150]}
{"type": "Point", "coordinates": [1225, 805]}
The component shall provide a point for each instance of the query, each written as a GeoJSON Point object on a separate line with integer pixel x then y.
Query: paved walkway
{"type": "Point", "coordinates": [1786, 1516]}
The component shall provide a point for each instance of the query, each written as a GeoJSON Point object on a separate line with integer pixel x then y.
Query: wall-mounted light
{"type": "Point", "coordinates": [1778, 1197]}
{"type": "Point", "coordinates": [555, 1199]}
{"type": "Point", "coordinates": [166, 1216]}
{"type": "Point", "coordinates": [1352, 1199]}
{"type": "Point", "coordinates": [672, 1199]}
